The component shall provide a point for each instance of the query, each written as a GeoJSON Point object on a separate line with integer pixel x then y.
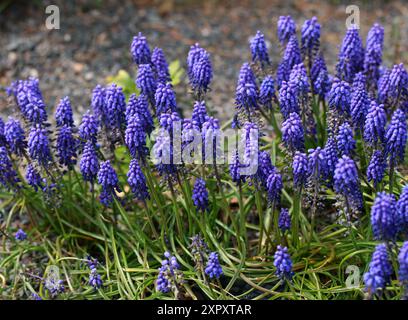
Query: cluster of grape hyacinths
{"type": "Point", "coordinates": [137, 181]}
{"type": "Point", "coordinates": [200, 195]}
{"type": "Point", "coordinates": [347, 183]}
{"type": "Point", "coordinates": [259, 50]}
{"type": "Point", "coordinates": [286, 28]}
{"type": "Point", "coordinates": [199, 249]}
{"type": "Point", "coordinates": [384, 217]}
{"type": "Point", "coordinates": [284, 220]}
{"type": "Point", "coordinates": [109, 181]}
{"type": "Point", "coordinates": [283, 263]}
{"type": "Point", "coordinates": [170, 277]}
{"type": "Point", "coordinates": [95, 280]}
{"type": "Point", "coordinates": [379, 272]}
{"type": "Point", "coordinates": [8, 175]}
{"type": "Point", "coordinates": [213, 268]}
{"type": "Point", "coordinates": [351, 56]}
{"type": "Point", "coordinates": [366, 101]}
{"type": "Point", "coordinates": [20, 235]}
{"type": "Point", "coordinates": [54, 285]}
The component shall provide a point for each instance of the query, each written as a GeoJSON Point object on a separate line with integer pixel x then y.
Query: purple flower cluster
{"type": "Point", "coordinates": [200, 195]}
{"type": "Point", "coordinates": [379, 272]}
{"type": "Point", "coordinates": [283, 263]}
{"type": "Point", "coordinates": [213, 268]}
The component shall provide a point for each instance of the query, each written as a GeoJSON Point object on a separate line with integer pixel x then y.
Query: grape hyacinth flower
{"type": "Point", "coordinates": [250, 139]}
{"type": "Point", "coordinates": [98, 103]}
{"type": "Point", "coordinates": [165, 98]}
{"type": "Point", "coordinates": [193, 57]}
{"type": "Point", "coordinates": [199, 115]}
{"type": "Point", "coordinates": [267, 92]}
{"type": "Point", "coordinates": [330, 149]}
{"type": "Point", "coordinates": [319, 64]}
{"type": "Point", "coordinates": [299, 79]}
{"type": "Point", "coordinates": [359, 81]}
{"type": "Point", "coordinates": [135, 138]}
{"type": "Point", "coordinates": [379, 272]}
{"type": "Point", "coordinates": [95, 280]}
{"type": "Point", "coordinates": [283, 263]}
{"type": "Point", "coordinates": [89, 165]}
{"type": "Point", "coordinates": [359, 106]}
{"type": "Point", "coordinates": [300, 169]}
{"type": "Point", "coordinates": [198, 249]}
{"type": "Point", "coordinates": [259, 50]}
{"type": "Point", "coordinates": [317, 165]}
{"type": "Point", "coordinates": [347, 182]}
{"type": "Point", "coordinates": [402, 210]}
{"type": "Point", "coordinates": [345, 140]}
{"type": "Point", "coordinates": [115, 106]}
{"type": "Point", "coordinates": [88, 129]}
{"type": "Point", "coordinates": [265, 167]}
{"type": "Point", "coordinates": [319, 77]}
{"type": "Point", "coordinates": [398, 86]}
{"type": "Point", "coordinates": [67, 146]}
{"type": "Point", "coordinates": [310, 38]}
{"type": "Point", "coordinates": [403, 268]}
{"type": "Point", "coordinates": [211, 140]}
{"type": "Point", "coordinates": [170, 277]}
{"type": "Point", "coordinates": [200, 195]}
{"type": "Point", "coordinates": [351, 56]}
{"type": "Point", "coordinates": [383, 85]}
{"type": "Point", "coordinates": [30, 100]}
{"type": "Point", "coordinates": [284, 222]}
{"type": "Point", "coordinates": [20, 235]}
{"type": "Point", "coordinates": [39, 146]}
{"type": "Point", "coordinates": [14, 135]}
{"type": "Point", "coordinates": [170, 122]}
{"type": "Point", "coordinates": [246, 93]}
{"type": "Point", "coordinates": [160, 65]}
{"type": "Point", "coordinates": [109, 181]}
{"type": "Point", "coordinates": [146, 81]}
{"type": "Point", "coordinates": [288, 99]}
{"type": "Point", "coordinates": [292, 54]}
{"type": "Point", "coordinates": [374, 127]}
{"type": "Point", "coordinates": [140, 50]}
{"type": "Point", "coordinates": [286, 28]}
{"type": "Point", "coordinates": [373, 53]}
{"type": "Point", "coordinates": [202, 73]}
{"type": "Point", "coordinates": [384, 218]}
{"type": "Point", "coordinates": [235, 169]}
{"type": "Point", "coordinates": [8, 176]}
{"type": "Point", "coordinates": [376, 168]}
{"type": "Point", "coordinates": [396, 138]}
{"type": "Point", "coordinates": [339, 96]}
{"type": "Point", "coordinates": [33, 177]}
{"type": "Point", "coordinates": [139, 106]}
{"type": "Point", "coordinates": [292, 133]}
{"type": "Point", "coordinates": [274, 186]}
{"type": "Point", "coordinates": [163, 152]}
{"type": "Point", "coordinates": [63, 114]}
{"type": "Point", "coordinates": [213, 268]}
{"type": "Point", "coordinates": [54, 286]}
{"type": "Point", "coordinates": [137, 181]}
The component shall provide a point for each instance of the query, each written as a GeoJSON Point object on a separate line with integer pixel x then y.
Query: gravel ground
{"type": "Point", "coordinates": [94, 38]}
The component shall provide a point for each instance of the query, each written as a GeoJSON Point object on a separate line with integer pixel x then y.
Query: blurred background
{"type": "Point", "coordinates": [93, 41]}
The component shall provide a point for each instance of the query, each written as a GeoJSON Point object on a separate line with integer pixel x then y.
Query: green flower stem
{"type": "Point", "coordinates": [297, 201]}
